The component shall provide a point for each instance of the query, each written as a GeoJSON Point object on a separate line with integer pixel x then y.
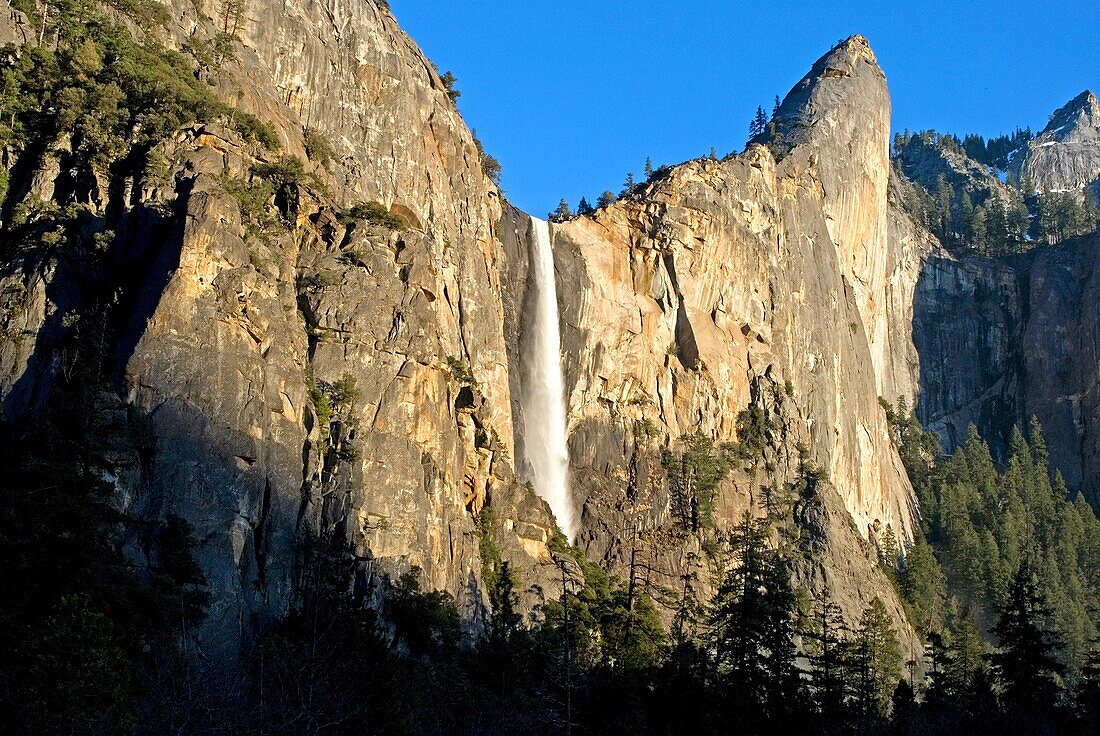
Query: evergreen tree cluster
{"type": "Point", "coordinates": [995, 152]}
{"type": "Point", "coordinates": [778, 663]}
{"type": "Point", "coordinates": [596, 661]}
{"type": "Point", "coordinates": [985, 221]}
{"type": "Point", "coordinates": [1058, 216]}
{"type": "Point", "coordinates": [95, 83]}
{"type": "Point", "coordinates": [767, 129]}
{"type": "Point", "coordinates": [1004, 551]}
{"type": "Point", "coordinates": [563, 211]}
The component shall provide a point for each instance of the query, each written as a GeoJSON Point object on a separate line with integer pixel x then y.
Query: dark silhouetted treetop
{"type": "Point", "coordinates": [562, 213]}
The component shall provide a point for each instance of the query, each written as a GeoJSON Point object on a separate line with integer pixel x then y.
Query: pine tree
{"type": "Point", "coordinates": [752, 620]}
{"type": "Point", "coordinates": [943, 218]}
{"type": "Point", "coordinates": [889, 552]}
{"type": "Point", "coordinates": [827, 651]}
{"type": "Point", "coordinates": [606, 199]}
{"type": "Point", "coordinates": [879, 659]}
{"type": "Point", "coordinates": [1026, 664]}
{"type": "Point", "coordinates": [629, 186]}
{"type": "Point", "coordinates": [584, 208]}
{"type": "Point", "coordinates": [505, 644]}
{"type": "Point", "coordinates": [648, 168]}
{"type": "Point", "coordinates": [449, 81]}
{"type": "Point", "coordinates": [680, 701]}
{"type": "Point", "coordinates": [739, 611]}
{"type": "Point", "coordinates": [1018, 222]}
{"type": "Point", "coordinates": [939, 687]}
{"type": "Point", "coordinates": [775, 109]}
{"type": "Point", "coordinates": [968, 655]}
{"type": "Point", "coordinates": [505, 621]}
{"type": "Point", "coordinates": [758, 125]}
{"type": "Point", "coordinates": [1087, 695]}
{"type": "Point", "coordinates": [562, 213]}
{"type": "Point", "coordinates": [903, 707]}
{"type": "Point", "coordinates": [921, 585]}
{"type": "Point", "coordinates": [784, 696]}
{"type": "Point", "coordinates": [231, 16]}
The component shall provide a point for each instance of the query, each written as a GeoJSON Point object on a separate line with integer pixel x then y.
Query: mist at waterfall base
{"type": "Point", "coordinates": [543, 401]}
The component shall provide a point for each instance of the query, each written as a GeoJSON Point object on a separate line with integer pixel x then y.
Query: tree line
{"type": "Point", "coordinates": [1006, 555]}
{"type": "Point", "coordinates": [987, 222]}
{"type": "Point", "coordinates": [98, 644]}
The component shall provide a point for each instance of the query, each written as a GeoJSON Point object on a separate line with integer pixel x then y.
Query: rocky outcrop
{"type": "Point", "coordinates": [723, 271]}
{"type": "Point", "coordinates": [682, 303]}
{"type": "Point", "coordinates": [230, 339]}
{"type": "Point", "coordinates": [15, 28]}
{"type": "Point", "coordinates": [841, 109]}
{"type": "Point", "coordinates": [1065, 156]}
{"type": "Point", "coordinates": [338, 375]}
{"type": "Point", "coordinates": [1002, 341]}
{"type": "Point", "coordinates": [926, 161]}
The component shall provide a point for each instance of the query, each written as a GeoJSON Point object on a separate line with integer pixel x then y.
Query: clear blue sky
{"type": "Point", "coordinates": [570, 96]}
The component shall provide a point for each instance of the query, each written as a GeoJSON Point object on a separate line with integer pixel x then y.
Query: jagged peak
{"type": "Point", "coordinates": [854, 46]}
{"type": "Point", "coordinates": [846, 80]}
{"type": "Point", "coordinates": [842, 61]}
{"type": "Point", "coordinates": [1085, 100]}
{"type": "Point", "coordinates": [843, 58]}
{"type": "Point", "coordinates": [1082, 111]}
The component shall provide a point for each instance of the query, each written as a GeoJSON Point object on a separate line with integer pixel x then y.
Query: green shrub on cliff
{"type": "Point", "coordinates": [318, 148]}
{"type": "Point", "coordinates": [449, 81]}
{"type": "Point", "coordinates": [489, 163]}
{"type": "Point", "coordinates": [283, 172]}
{"type": "Point", "coordinates": [254, 201]}
{"type": "Point", "coordinates": [254, 130]}
{"type": "Point", "coordinates": [109, 96]}
{"type": "Point", "coordinates": [373, 213]}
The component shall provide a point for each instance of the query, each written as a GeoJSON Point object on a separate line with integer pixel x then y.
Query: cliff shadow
{"type": "Point", "coordinates": [97, 298]}
{"type": "Point", "coordinates": [966, 322]}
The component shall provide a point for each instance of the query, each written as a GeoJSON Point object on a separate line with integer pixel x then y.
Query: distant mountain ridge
{"type": "Point", "coordinates": [1065, 156]}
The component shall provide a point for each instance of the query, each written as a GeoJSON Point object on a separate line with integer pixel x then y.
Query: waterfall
{"type": "Point", "coordinates": [543, 401]}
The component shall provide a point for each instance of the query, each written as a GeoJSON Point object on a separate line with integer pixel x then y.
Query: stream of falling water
{"type": "Point", "coordinates": [544, 430]}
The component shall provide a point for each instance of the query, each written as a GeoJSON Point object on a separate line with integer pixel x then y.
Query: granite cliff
{"type": "Point", "coordinates": [230, 338]}
{"type": "Point", "coordinates": [1008, 340]}
{"type": "Point", "coordinates": [1065, 156]}
{"type": "Point", "coordinates": [749, 283]}
{"type": "Point", "coordinates": [359, 374]}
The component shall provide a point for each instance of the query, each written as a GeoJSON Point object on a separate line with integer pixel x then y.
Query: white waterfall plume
{"type": "Point", "coordinates": [544, 425]}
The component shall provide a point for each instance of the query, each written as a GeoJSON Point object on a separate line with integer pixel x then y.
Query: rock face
{"type": "Point", "coordinates": [688, 296]}
{"type": "Point", "coordinates": [748, 282]}
{"type": "Point", "coordinates": [1064, 157]}
{"type": "Point", "coordinates": [842, 110]}
{"type": "Point", "coordinates": [228, 334]}
{"type": "Point", "coordinates": [1003, 341]}
{"type": "Point", "coordinates": [965, 327]}
{"type": "Point", "coordinates": [785, 286]}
